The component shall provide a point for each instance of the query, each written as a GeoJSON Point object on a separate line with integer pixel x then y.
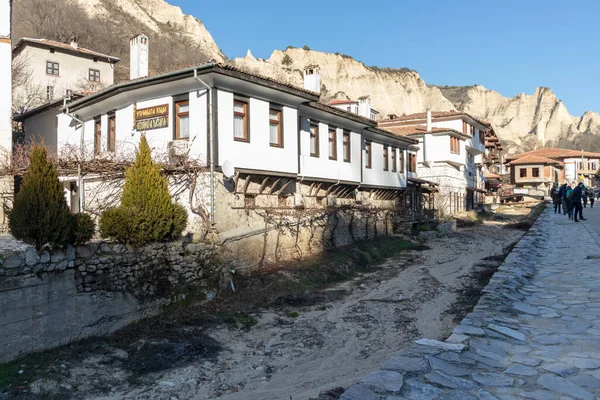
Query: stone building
{"type": "Point", "coordinates": [452, 147]}
{"type": "Point", "coordinates": [51, 68]}
{"type": "Point", "coordinates": [280, 174]}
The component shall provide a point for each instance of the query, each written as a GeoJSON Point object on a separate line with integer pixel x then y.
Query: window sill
{"type": "Point", "coordinates": [314, 155]}
{"type": "Point", "coordinates": [280, 146]}
{"type": "Point", "coordinates": [333, 158]}
{"type": "Point", "coordinates": [347, 161]}
{"type": "Point", "coordinates": [241, 140]}
{"type": "Point", "coordinates": [182, 139]}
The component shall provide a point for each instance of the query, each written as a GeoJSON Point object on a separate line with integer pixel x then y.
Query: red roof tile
{"type": "Point", "coordinates": [435, 114]}
{"type": "Point", "coordinates": [533, 159]}
{"type": "Point", "coordinates": [334, 102]}
{"type": "Point", "coordinates": [554, 152]}
{"type": "Point", "coordinates": [415, 130]}
{"type": "Point", "coordinates": [64, 46]}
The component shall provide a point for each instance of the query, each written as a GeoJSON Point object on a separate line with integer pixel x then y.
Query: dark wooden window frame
{"type": "Point", "coordinates": [522, 172]}
{"type": "Point", "coordinates": [112, 133]}
{"type": "Point", "coordinates": [244, 115]}
{"type": "Point", "coordinates": [394, 162]}
{"type": "Point", "coordinates": [386, 158]}
{"type": "Point", "coordinates": [94, 75]}
{"type": "Point", "coordinates": [401, 160]}
{"type": "Point", "coordinates": [279, 123]}
{"type": "Point", "coordinates": [454, 145]}
{"type": "Point", "coordinates": [346, 146]}
{"type": "Point", "coordinates": [535, 172]}
{"type": "Point", "coordinates": [332, 140]}
{"type": "Point", "coordinates": [179, 114]}
{"type": "Point", "coordinates": [412, 162]}
{"type": "Point", "coordinates": [97, 136]}
{"type": "Point", "coordinates": [368, 154]}
{"type": "Point", "coordinates": [52, 68]}
{"type": "Point", "coordinates": [314, 136]}
{"type": "Point", "coordinates": [464, 127]}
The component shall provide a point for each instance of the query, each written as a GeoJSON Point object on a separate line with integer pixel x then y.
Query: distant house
{"type": "Point", "coordinates": [362, 107]}
{"type": "Point", "coordinates": [538, 170]}
{"type": "Point", "coordinates": [452, 147]}
{"type": "Point", "coordinates": [52, 68]}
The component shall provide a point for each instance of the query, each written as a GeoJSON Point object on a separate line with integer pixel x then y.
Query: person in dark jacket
{"type": "Point", "coordinates": [576, 202]}
{"type": "Point", "coordinates": [555, 199]}
{"type": "Point", "coordinates": [562, 192]}
{"type": "Point", "coordinates": [591, 196]}
{"type": "Point", "coordinates": [584, 196]}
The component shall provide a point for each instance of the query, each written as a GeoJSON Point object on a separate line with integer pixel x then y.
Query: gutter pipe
{"type": "Point", "coordinates": [79, 177]}
{"type": "Point", "coordinates": [210, 147]}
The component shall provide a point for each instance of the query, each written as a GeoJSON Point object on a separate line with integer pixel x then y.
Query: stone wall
{"type": "Point", "coordinates": [52, 298]}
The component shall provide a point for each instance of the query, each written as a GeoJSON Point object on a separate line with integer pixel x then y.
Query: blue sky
{"type": "Point", "coordinates": [509, 46]}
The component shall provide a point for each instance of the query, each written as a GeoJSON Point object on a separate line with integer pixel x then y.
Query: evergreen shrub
{"type": "Point", "coordinates": [147, 212]}
{"type": "Point", "coordinates": [83, 228]}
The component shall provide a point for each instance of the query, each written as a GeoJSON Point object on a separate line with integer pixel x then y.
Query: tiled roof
{"type": "Point", "coordinates": [333, 102]}
{"type": "Point", "coordinates": [63, 46]}
{"type": "Point", "coordinates": [436, 114]}
{"type": "Point", "coordinates": [416, 130]}
{"type": "Point", "coordinates": [554, 152]}
{"type": "Point", "coordinates": [341, 113]}
{"type": "Point", "coordinates": [533, 159]}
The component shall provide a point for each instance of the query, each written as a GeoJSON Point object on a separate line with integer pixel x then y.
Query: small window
{"type": "Point", "coordinates": [112, 133]}
{"type": "Point", "coordinates": [386, 160]}
{"type": "Point", "coordinates": [472, 130]}
{"type": "Point", "coordinates": [482, 137]}
{"type": "Point", "coordinates": [52, 68]}
{"type": "Point", "coordinates": [401, 161]}
{"type": "Point", "coordinates": [535, 172]}
{"type": "Point", "coordinates": [348, 109]}
{"type": "Point", "coordinates": [346, 146]}
{"type": "Point", "coordinates": [49, 92]}
{"type": "Point", "coordinates": [275, 134]}
{"type": "Point", "coordinates": [394, 168]}
{"type": "Point", "coordinates": [368, 155]}
{"type": "Point", "coordinates": [454, 145]}
{"type": "Point", "coordinates": [465, 127]}
{"type": "Point", "coordinates": [314, 140]}
{"type": "Point", "coordinates": [182, 120]}
{"type": "Point", "coordinates": [94, 75]}
{"type": "Point", "coordinates": [412, 163]}
{"type": "Point", "coordinates": [332, 144]}
{"type": "Point", "coordinates": [523, 173]}
{"type": "Point", "coordinates": [240, 121]}
{"type": "Point", "coordinates": [97, 136]}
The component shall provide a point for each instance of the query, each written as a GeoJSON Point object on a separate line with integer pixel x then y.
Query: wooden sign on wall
{"type": "Point", "coordinates": [149, 118]}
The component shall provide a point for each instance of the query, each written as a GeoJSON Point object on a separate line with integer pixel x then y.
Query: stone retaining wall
{"type": "Point", "coordinates": [52, 298]}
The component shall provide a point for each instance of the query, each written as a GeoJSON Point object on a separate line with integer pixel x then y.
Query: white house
{"type": "Point", "coordinates": [51, 68]}
{"type": "Point", "coordinates": [452, 146]}
{"type": "Point", "coordinates": [362, 107]}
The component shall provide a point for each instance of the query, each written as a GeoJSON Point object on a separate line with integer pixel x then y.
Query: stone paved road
{"type": "Point", "coordinates": [535, 333]}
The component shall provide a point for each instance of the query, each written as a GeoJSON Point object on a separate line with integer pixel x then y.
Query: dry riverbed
{"type": "Point", "coordinates": [295, 335]}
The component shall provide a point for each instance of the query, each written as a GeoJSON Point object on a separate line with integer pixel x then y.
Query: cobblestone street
{"type": "Point", "coordinates": [534, 334]}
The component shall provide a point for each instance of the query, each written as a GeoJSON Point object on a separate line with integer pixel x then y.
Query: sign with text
{"type": "Point", "coordinates": [152, 117]}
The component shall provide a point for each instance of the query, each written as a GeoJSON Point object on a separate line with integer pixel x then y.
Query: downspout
{"type": "Point", "coordinates": [210, 148]}
{"type": "Point", "coordinates": [79, 177]}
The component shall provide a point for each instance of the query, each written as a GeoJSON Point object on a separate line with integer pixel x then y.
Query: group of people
{"type": "Point", "coordinates": [572, 201]}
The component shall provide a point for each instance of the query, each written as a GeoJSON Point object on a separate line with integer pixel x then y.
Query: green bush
{"type": "Point", "coordinates": [287, 60]}
{"type": "Point", "coordinates": [84, 228]}
{"type": "Point", "coordinates": [40, 214]}
{"type": "Point", "coordinates": [305, 47]}
{"type": "Point", "coordinates": [147, 212]}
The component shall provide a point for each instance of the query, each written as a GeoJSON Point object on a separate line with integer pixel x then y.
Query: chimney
{"type": "Point", "coordinates": [428, 119]}
{"type": "Point", "coordinates": [364, 106]}
{"type": "Point", "coordinates": [312, 78]}
{"type": "Point", "coordinates": [138, 58]}
{"type": "Point", "coordinates": [74, 43]}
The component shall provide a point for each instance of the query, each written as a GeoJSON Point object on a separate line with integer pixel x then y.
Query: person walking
{"type": "Point", "coordinates": [576, 202]}
{"type": "Point", "coordinates": [584, 195]}
{"type": "Point", "coordinates": [555, 200]}
{"type": "Point", "coordinates": [562, 193]}
{"type": "Point", "coordinates": [569, 202]}
{"type": "Point", "coordinates": [591, 196]}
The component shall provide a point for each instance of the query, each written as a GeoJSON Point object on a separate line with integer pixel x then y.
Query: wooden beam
{"type": "Point", "coordinates": [263, 184]}
{"type": "Point", "coordinates": [318, 188]}
{"type": "Point", "coordinates": [235, 183]}
{"type": "Point", "coordinates": [329, 189]}
{"type": "Point", "coordinates": [347, 192]}
{"type": "Point", "coordinates": [246, 183]}
{"type": "Point", "coordinates": [312, 185]}
{"type": "Point", "coordinates": [274, 185]}
{"type": "Point", "coordinates": [284, 186]}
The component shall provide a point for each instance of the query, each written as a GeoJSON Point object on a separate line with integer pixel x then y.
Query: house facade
{"type": "Point", "coordinates": [299, 166]}
{"type": "Point", "coordinates": [51, 68]}
{"type": "Point", "coordinates": [535, 172]}
{"type": "Point", "coordinates": [452, 149]}
{"type": "Point", "coordinates": [362, 107]}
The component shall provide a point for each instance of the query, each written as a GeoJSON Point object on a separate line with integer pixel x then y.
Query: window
{"type": "Point", "coordinates": [465, 125]}
{"type": "Point", "coordinates": [401, 159]}
{"type": "Point", "coordinates": [332, 144]}
{"type": "Point", "coordinates": [346, 146]}
{"type": "Point", "coordinates": [97, 136]}
{"type": "Point", "coordinates": [386, 160]}
{"type": "Point", "coordinates": [275, 134]}
{"type": "Point", "coordinates": [240, 121]}
{"type": "Point", "coordinates": [523, 173]}
{"type": "Point", "coordinates": [52, 68]}
{"type": "Point", "coordinates": [472, 130]}
{"type": "Point", "coordinates": [368, 154]}
{"type": "Point", "coordinates": [412, 162]}
{"type": "Point", "coordinates": [314, 140]}
{"type": "Point", "coordinates": [182, 120]}
{"type": "Point", "coordinates": [394, 160]}
{"type": "Point", "coordinates": [535, 172]}
{"type": "Point", "coordinates": [454, 145]}
{"type": "Point", "coordinates": [348, 109]}
{"type": "Point", "coordinates": [112, 133]}
{"type": "Point", "coordinates": [481, 136]}
{"type": "Point", "coordinates": [49, 92]}
{"type": "Point", "coordinates": [94, 75]}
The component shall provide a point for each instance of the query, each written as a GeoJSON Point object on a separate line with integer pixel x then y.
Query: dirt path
{"type": "Point", "coordinates": [299, 353]}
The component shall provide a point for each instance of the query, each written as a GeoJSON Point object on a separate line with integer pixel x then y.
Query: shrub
{"type": "Point", "coordinates": [305, 47]}
{"type": "Point", "coordinates": [287, 60]}
{"type": "Point", "coordinates": [84, 228]}
{"type": "Point", "coordinates": [147, 213]}
{"type": "Point", "coordinates": [40, 214]}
